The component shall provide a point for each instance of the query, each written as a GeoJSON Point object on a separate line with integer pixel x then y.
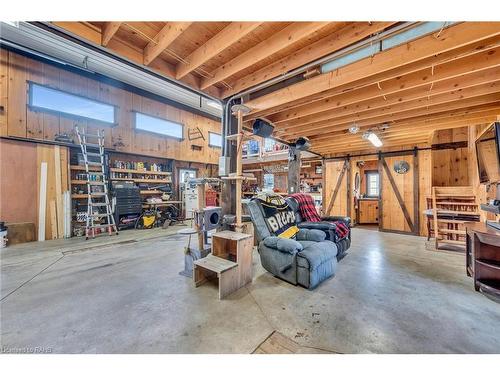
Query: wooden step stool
{"type": "Point", "coordinates": [231, 261]}
{"type": "Point", "coordinates": [226, 271]}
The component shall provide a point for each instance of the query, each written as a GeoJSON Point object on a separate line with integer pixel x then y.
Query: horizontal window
{"type": "Point", "coordinates": [51, 100]}
{"type": "Point", "coordinates": [158, 125]}
{"type": "Point", "coordinates": [214, 139]}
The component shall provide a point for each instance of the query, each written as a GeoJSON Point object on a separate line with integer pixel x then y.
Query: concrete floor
{"type": "Point", "coordinates": [390, 295]}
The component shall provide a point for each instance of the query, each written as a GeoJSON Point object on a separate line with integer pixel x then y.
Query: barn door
{"type": "Point", "coordinates": [398, 207]}
{"type": "Point", "coordinates": [336, 187]}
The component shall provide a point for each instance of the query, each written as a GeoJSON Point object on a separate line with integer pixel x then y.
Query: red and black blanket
{"type": "Point", "coordinates": [308, 212]}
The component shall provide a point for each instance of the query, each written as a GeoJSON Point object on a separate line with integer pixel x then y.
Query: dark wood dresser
{"type": "Point", "coordinates": [483, 257]}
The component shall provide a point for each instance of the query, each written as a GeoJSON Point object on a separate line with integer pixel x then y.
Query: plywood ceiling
{"type": "Point", "coordinates": [447, 79]}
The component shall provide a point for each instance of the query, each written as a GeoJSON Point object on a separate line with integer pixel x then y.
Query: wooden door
{"type": "Point", "coordinates": [398, 207]}
{"type": "Point", "coordinates": [336, 187]}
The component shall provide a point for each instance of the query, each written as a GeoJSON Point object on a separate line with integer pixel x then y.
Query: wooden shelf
{"type": "Point", "coordinates": [79, 196]}
{"type": "Point", "coordinates": [82, 168]}
{"type": "Point", "coordinates": [149, 192]}
{"type": "Point", "coordinates": [156, 181]}
{"type": "Point", "coordinates": [78, 182]}
{"type": "Point", "coordinates": [139, 172]}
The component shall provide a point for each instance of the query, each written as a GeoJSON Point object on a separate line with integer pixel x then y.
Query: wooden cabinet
{"type": "Point", "coordinates": [368, 211]}
{"type": "Point", "coordinates": [483, 257]}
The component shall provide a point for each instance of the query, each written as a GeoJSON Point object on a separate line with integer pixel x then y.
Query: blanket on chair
{"type": "Point", "coordinates": [308, 212]}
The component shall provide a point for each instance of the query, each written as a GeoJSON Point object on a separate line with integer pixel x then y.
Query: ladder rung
{"type": "Point", "coordinates": [92, 135]}
{"type": "Point", "coordinates": [93, 154]}
{"type": "Point", "coordinates": [96, 173]}
{"type": "Point", "coordinates": [98, 194]}
{"type": "Point", "coordinates": [95, 145]}
{"type": "Point", "coordinates": [96, 183]}
{"type": "Point", "coordinates": [102, 225]}
{"type": "Point", "coordinates": [99, 204]}
{"type": "Point", "coordinates": [101, 215]}
{"type": "Point", "coordinates": [95, 163]}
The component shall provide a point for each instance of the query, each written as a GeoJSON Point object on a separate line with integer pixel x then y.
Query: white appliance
{"type": "Point", "coordinates": [190, 199]}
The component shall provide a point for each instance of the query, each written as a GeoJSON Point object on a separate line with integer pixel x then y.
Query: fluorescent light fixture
{"type": "Point", "coordinates": [214, 104]}
{"type": "Point", "coordinates": [373, 138]}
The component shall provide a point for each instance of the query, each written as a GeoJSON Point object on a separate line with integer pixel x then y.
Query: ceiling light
{"type": "Point", "coordinates": [373, 138]}
{"type": "Point", "coordinates": [354, 129]}
{"type": "Point", "coordinates": [214, 104]}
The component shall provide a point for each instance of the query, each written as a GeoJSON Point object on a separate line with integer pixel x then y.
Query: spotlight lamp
{"type": "Point", "coordinates": [373, 138]}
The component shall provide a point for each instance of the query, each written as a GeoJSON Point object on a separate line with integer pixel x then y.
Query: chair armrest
{"type": "Point", "coordinates": [319, 225]}
{"type": "Point", "coordinates": [305, 234]}
{"type": "Point", "coordinates": [345, 219]}
{"type": "Point", "coordinates": [285, 245]}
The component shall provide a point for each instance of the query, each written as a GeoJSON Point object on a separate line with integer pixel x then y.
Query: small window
{"type": "Point", "coordinates": [268, 182]}
{"type": "Point", "coordinates": [372, 184]}
{"type": "Point", "coordinates": [214, 139]}
{"type": "Point", "coordinates": [55, 101]}
{"type": "Point", "coordinates": [158, 126]}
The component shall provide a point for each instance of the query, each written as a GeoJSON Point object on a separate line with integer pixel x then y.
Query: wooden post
{"type": "Point", "coordinates": [201, 206]}
{"type": "Point", "coordinates": [239, 170]}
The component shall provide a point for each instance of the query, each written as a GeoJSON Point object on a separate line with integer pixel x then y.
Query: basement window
{"type": "Point", "coordinates": [158, 125]}
{"type": "Point", "coordinates": [372, 184]}
{"type": "Point", "coordinates": [46, 99]}
{"type": "Point", "coordinates": [214, 139]}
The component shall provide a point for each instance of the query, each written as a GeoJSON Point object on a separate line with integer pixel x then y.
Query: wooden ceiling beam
{"type": "Point", "coordinates": [409, 96]}
{"type": "Point", "coordinates": [458, 99]}
{"type": "Point", "coordinates": [222, 40]}
{"type": "Point", "coordinates": [398, 73]}
{"type": "Point", "coordinates": [426, 123]}
{"type": "Point", "coordinates": [288, 36]}
{"type": "Point", "coordinates": [369, 148]}
{"type": "Point", "coordinates": [347, 35]}
{"type": "Point", "coordinates": [109, 29]}
{"type": "Point", "coordinates": [423, 121]}
{"type": "Point", "coordinates": [427, 46]}
{"type": "Point", "coordinates": [402, 134]}
{"type": "Point", "coordinates": [167, 35]}
{"type": "Point", "coordinates": [455, 75]}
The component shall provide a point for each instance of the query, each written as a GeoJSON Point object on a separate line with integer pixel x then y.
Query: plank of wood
{"type": "Point", "coordinates": [222, 40]}
{"type": "Point", "coordinates": [167, 35]}
{"type": "Point", "coordinates": [427, 46]}
{"type": "Point", "coordinates": [108, 31]}
{"type": "Point", "coordinates": [215, 264]}
{"type": "Point", "coordinates": [288, 36]}
{"type": "Point", "coordinates": [42, 200]}
{"type": "Point", "coordinates": [53, 218]}
{"type": "Point", "coordinates": [4, 90]}
{"type": "Point", "coordinates": [58, 200]}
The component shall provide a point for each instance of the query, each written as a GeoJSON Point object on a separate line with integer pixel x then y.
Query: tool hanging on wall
{"type": "Point", "coordinates": [97, 185]}
{"type": "Point", "coordinates": [195, 133]}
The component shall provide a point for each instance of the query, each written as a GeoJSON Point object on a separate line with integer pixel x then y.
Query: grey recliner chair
{"type": "Point", "coordinates": [307, 260]}
{"type": "Point", "coordinates": [327, 225]}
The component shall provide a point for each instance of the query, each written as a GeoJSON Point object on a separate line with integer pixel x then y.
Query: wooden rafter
{"type": "Point", "coordinates": [344, 37]}
{"type": "Point", "coordinates": [449, 39]}
{"type": "Point", "coordinates": [224, 39]}
{"type": "Point", "coordinates": [279, 41]}
{"type": "Point", "coordinates": [481, 67]}
{"type": "Point", "coordinates": [108, 31]}
{"type": "Point", "coordinates": [426, 104]}
{"type": "Point", "coordinates": [168, 34]}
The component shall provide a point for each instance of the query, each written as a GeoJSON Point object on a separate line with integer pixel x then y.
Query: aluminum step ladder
{"type": "Point", "coordinates": [98, 204]}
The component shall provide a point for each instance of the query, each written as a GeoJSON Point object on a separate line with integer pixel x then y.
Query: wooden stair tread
{"type": "Point", "coordinates": [458, 212]}
{"type": "Point", "coordinates": [457, 203]}
{"type": "Point", "coordinates": [454, 231]}
{"type": "Point", "coordinates": [215, 264]}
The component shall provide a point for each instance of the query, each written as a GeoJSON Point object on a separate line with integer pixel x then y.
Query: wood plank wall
{"type": "Point", "coordinates": [450, 167]}
{"type": "Point", "coordinates": [19, 121]}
